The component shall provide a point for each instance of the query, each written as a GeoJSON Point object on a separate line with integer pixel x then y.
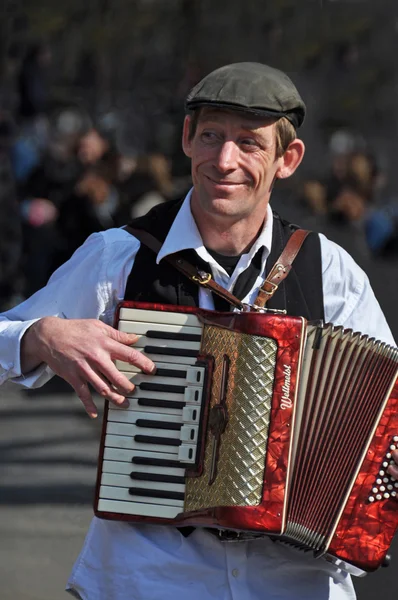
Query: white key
{"type": "Point", "coordinates": [129, 416]}
{"type": "Point", "coordinates": [157, 358]}
{"type": "Point", "coordinates": [126, 482]}
{"type": "Point", "coordinates": [189, 376]}
{"type": "Point", "coordinates": [129, 443]}
{"type": "Point", "coordinates": [132, 430]}
{"type": "Point", "coordinates": [141, 328]}
{"type": "Point", "coordinates": [191, 395]}
{"type": "Point", "coordinates": [144, 341]}
{"type": "Point", "coordinates": [188, 414]}
{"type": "Point", "coordinates": [139, 509]}
{"type": "Point", "coordinates": [125, 468]}
{"type": "Point", "coordinates": [187, 433]}
{"type": "Point", "coordinates": [171, 365]}
{"type": "Point", "coordinates": [121, 455]}
{"type": "Point", "coordinates": [158, 316]}
{"type": "Point", "coordinates": [134, 406]}
{"type": "Point", "coordinates": [186, 453]}
{"type": "Point", "coordinates": [121, 493]}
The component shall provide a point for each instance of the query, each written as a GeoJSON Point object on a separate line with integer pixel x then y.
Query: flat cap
{"type": "Point", "coordinates": [250, 87]}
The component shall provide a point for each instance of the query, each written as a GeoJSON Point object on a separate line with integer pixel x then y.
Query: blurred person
{"type": "Point", "coordinates": [240, 133]}
{"type": "Point", "coordinates": [33, 83]}
{"type": "Point", "coordinates": [381, 230]}
{"type": "Point", "coordinates": [32, 113]}
{"type": "Point", "coordinates": [358, 189]}
{"type": "Point", "coordinates": [92, 147]}
{"type": "Point", "coordinates": [93, 206]}
{"type": "Point", "coordinates": [44, 191]}
{"type": "Point", "coordinates": [148, 183]}
{"type": "Point", "coordinates": [10, 233]}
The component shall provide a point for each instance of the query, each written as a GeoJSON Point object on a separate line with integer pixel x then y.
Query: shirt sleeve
{"type": "Point", "coordinates": [89, 285]}
{"type": "Point", "coordinates": [348, 296]}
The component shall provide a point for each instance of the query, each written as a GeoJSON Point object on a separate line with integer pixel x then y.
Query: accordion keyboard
{"type": "Point", "coordinates": [149, 446]}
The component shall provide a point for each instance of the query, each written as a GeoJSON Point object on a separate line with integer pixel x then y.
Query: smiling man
{"type": "Point", "coordinates": [240, 134]}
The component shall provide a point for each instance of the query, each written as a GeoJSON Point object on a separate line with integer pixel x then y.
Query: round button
{"type": "Point", "coordinates": [235, 572]}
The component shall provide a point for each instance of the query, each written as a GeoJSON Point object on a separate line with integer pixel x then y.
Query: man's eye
{"type": "Point", "coordinates": [208, 136]}
{"type": "Point", "coordinates": [249, 142]}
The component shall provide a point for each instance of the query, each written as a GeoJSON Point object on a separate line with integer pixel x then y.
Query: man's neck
{"type": "Point", "coordinates": [229, 238]}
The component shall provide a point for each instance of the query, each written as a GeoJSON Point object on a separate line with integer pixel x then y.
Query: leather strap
{"type": "Point", "coordinates": [281, 268]}
{"type": "Point", "coordinates": [198, 276]}
{"type": "Point", "coordinates": [278, 273]}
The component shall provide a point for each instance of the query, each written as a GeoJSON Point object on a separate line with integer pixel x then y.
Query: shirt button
{"type": "Point", "coordinates": [235, 572]}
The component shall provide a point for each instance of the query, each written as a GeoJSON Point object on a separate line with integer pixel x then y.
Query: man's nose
{"type": "Point", "coordinates": [227, 157]}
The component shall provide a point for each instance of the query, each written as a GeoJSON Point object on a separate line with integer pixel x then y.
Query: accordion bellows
{"type": "Point", "coordinates": [257, 423]}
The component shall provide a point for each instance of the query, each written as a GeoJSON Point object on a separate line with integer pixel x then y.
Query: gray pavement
{"type": "Point", "coordinates": [48, 456]}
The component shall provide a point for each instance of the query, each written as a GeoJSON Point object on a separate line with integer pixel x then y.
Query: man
{"type": "Point", "coordinates": [240, 136]}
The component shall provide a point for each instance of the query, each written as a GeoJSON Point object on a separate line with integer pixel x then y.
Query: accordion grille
{"type": "Point", "coordinates": [243, 445]}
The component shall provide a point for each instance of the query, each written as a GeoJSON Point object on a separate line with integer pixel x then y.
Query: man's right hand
{"type": "Point", "coordinates": [82, 352]}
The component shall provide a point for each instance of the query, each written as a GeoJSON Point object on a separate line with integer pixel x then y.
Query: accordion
{"type": "Point", "coordinates": [260, 423]}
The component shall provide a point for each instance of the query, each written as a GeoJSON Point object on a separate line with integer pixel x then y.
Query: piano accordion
{"type": "Point", "coordinates": [259, 423]}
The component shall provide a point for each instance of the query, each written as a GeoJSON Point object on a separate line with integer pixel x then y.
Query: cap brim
{"type": "Point", "coordinates": [259, 112]}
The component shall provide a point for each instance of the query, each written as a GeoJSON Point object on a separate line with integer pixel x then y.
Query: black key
{"type": "Point", "coordinates": [156, 493]}
{"type": "Point", "coordinates": [157, 477]}
{"type": "Point", "coordinates": [153, 439]}
{"type": "Point", "coordinates": [158, 424]}
{"type": "Point", "coordinates": [170, 351]}
{"type": "Point", "coordinates": [161, 403]}
{"type": "Point", "coordinates": [165, 335]}
{"type": "Point", "coordinates": [170, 373]}
{"type": "Point", "coordinates": [156, 462]}
{"type": "Point", "coordinates": [162, 387]}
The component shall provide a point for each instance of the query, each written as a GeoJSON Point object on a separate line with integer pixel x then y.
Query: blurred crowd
{"type": "Point", "coordinates": [354, 193]}
{"type": "Point", "coordinates": [63, 176]}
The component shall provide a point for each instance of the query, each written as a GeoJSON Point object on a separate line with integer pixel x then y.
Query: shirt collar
{"type": "Point", "coordinates": [184, 234]}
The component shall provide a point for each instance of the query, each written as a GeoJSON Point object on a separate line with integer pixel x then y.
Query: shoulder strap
{"type": "Point", "coordinates": [281, 268]}
{"type": "Point", "coordinates": [279, 271]}
{"type": "Point", "coordinates": [198, 276]}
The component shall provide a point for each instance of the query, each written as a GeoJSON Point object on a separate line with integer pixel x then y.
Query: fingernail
{"type": "Point", "coordinates": [93, 415]}
{"type": "Point", "coordinates": [125, 404]}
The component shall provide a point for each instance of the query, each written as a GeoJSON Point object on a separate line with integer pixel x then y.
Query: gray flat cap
{"type": "Point", "coordinates": [250, 87]}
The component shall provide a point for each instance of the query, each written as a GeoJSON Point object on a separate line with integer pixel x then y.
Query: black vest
{"type": "Point", "coordinates": [300, 294]}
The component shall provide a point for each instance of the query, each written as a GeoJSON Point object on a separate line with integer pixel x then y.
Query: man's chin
{"type": "Point", "coordinates": [222, 206]}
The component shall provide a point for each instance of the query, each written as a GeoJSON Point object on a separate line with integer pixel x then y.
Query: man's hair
{"type": "Point", "coordinates": [284, 130]}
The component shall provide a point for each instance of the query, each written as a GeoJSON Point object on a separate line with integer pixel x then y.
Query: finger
{"type": "Point", "coordinates": [118, 380]}
{"type": "Point", "coordinates": [133, 357]}
{"type": "Point", "coordinates": [121, 336]}
{"type": "Point", "coordinates": [105, 388]}
{"type": "Point", "coordinates": [83, 392]}
{"type": "Point", "coordinates": [393, 469]}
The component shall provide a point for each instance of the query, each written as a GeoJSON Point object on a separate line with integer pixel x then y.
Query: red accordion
{"type": "Point", "coordinates": [257, 423]}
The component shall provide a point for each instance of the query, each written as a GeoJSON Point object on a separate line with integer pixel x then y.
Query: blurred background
{"type": "Point", "coordinates": [91, 109]}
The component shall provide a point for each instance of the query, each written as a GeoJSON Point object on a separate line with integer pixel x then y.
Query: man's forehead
{"type": "Point", "coordinates": [246, 120]}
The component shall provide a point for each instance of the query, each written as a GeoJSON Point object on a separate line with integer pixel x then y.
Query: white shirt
{"type": "Point", "coordinates": [120, 561]}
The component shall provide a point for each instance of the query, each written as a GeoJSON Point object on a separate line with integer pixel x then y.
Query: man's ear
{"type": "Point", "coordinates": [291, 159]}
{"type": "Point", "coordinates": [186, 141]}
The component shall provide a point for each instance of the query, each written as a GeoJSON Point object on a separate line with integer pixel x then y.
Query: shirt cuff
{"type": "Point", "coordinates": [10, 368]}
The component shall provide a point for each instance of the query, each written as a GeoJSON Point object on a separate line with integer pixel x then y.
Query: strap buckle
{"type": "Point", "coordinates": [274, 287]}
{"type": "Point", "coordinates": [202, 277]}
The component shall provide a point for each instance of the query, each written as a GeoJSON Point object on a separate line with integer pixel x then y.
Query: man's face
{"type": "Point", "coordinates": [234, 163]}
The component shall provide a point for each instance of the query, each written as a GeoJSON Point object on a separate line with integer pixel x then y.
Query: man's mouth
{"type": "Point", "coordinates": [224, 182]}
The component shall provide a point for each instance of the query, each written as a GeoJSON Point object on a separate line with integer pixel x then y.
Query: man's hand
{"type": "Point", "coordinates": [393, 469]}
{"type": "Point", "coordinates": [82, 352]}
